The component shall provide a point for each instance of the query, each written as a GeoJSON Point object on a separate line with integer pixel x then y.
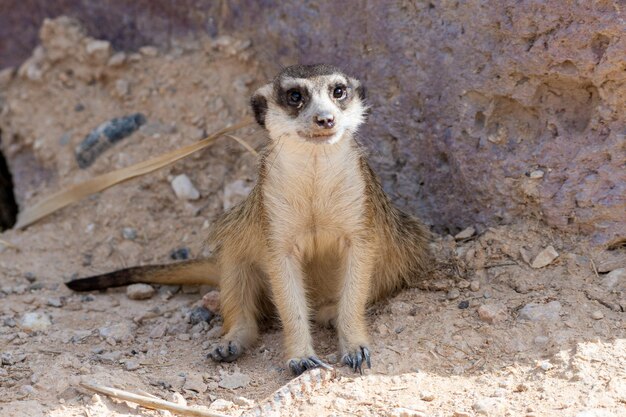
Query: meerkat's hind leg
{"type": "Point", "coordinates": [240, 293]}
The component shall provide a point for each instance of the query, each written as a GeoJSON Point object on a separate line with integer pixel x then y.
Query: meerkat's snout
{"type": "Point", "coordinates": [325, 120]}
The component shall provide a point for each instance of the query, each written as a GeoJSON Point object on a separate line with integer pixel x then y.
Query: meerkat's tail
{"type": "Point", "coordinates": [196, 272]}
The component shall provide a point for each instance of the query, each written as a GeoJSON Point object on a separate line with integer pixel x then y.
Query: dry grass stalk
{"type": "Point", "coordinates": [77, 192]}
{"type": "Point", "coordinates": [244, 144]}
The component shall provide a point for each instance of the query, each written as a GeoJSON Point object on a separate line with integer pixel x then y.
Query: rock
{"type": "Point", "coordinates": [180, 254]}
{"type": "Point", "coordinates": [129, 233]}
{"type": "Point", "coordinates": [489, 406]}
{"type": "Point", "coordinates": [536, 174]}
{"type": "Point", "coordinates": [236, 192]}
{"type": "Point", "coordinates": [405, 412]}
{"type": "Point", "coordinates": [545, 257]}
{"type": "Point", "coordinates": [597, 315]}
{"type": "Point", "coordinates": [539, 312]}
{"type": "Point", "coordinates": [194, 382]}
{"type": "Point", "coordinates": [57, 302]}
{"type": "Point", "coordinates": [140, 291]}
{"type": "Point", "coordinates": [106, 135]}
{"type": "Point", "coordinates": [35, 322]}
{"type": "Point", "coordinates": [453, 294]}
{"type": "Point", "coordinates": [475, 286]}
{"type": "Point", "coordinates": [119, 332]}
{"type": "Point", "coordinates": [158, 331]}
{"type": "Point", "coordinates": [211, 301]}
{"type": "Point", "coordinates": [200, 314]}
{"type": "Point", "coordinates": [234, 381]}
{"type": "Point", "coordinates": [221, 405]}
{"type": "Point", "coordinates": [614, 279]}
{"type": "Point", "coordinates": [150, 51]}
{"type": "Point", "coordinates": [131, 365]}
{"type": "Point", "coordinates": [122, 88]}
{"type": "Point", "coordinates": [464, 304]}
{"type": "Point", "coordinates": [244, 402]}
{"type": "Point", "coordinates": [490, 313]}
{"type": "Point", "coordinates": [118, 59]}
{"type": "Point", "coordinates": [184, 189]}
{"type": "Point", "coordinates": [427, 396]}
{"type": "Point", "coordinates": [465, 233]}
{"type": "Point", "coordinates": [98, 51]}
{"type": "Point", "coordinates": [10, 358]}
{"type": "Point", "coordinates": [546, 366]}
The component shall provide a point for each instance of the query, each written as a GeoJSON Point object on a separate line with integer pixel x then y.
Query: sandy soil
{"type": "Point", "coordinates": [499, 338]}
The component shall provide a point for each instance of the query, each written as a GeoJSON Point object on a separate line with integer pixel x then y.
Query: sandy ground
{"type": "Point", "coordinates": [499, 338]}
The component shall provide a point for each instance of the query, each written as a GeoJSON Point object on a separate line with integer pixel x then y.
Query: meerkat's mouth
{"type": "Point", "coordinates": [318, 137]}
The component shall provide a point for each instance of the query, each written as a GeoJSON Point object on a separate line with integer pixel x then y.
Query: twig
{"type": "Point", "coordinates": [147, 402]}
{"type": "Point", "coordinates": [8, 244]}
{"type": "Point", "coordinates": [593, 266]}
{"type": "Point", "coordinates": [244, 144]}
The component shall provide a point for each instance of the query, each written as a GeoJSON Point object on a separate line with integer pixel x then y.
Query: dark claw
{"type": "Point", "coordinates": [355, 359]}
{"type": "Point", "coordinates": [225, 353]}
{"type": "Point", "coordinates": [298, 366]}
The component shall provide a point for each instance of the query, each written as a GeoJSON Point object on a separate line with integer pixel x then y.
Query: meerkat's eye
{"type": "Point", "coordinates": [340, 92]}
{"type": "Point", "coordinates": [294, 98]}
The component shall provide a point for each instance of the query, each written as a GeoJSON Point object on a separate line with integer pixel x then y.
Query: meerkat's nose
{"type": "Point", "coordinates": [325, 120]}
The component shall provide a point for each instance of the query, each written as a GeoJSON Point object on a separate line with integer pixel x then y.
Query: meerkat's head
{"type": "Point", "coordinates": [310, 103]}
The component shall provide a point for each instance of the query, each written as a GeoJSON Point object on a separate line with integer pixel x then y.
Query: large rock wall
{"type": "Point", "coordinates": [482, 112]}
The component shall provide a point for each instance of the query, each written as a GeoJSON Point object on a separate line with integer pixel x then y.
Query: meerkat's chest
{"type": "Point", "coordinates": [316, 191]}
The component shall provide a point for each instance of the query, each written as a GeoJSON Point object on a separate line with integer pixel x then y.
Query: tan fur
{"type": "Point", "coordinates": [317, 236]}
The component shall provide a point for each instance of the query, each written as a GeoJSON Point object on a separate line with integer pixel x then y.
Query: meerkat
{"type": "Point", "coordinates": [316, 237]}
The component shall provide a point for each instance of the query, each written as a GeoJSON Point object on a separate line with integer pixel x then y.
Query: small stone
{"type": "Point", "coordinates": [427, 396]}
{"type": "Point", "coordinates": [489, 406]}
{"type": "Point", "coordinates": [6, 75]}
{"type": "Point", "coordinates": [184, 189]}
{"type": "Point", "coordinates": [243, 402]}
{"type": "Point", "coordinates": [118, 59]}
{"type": "Point", "coordinates": [211, 301]}
{"type": "Point", "coordinates": [538, 312]}
{"type": "Point", "coordinates": [465, 233]}
{"type": "Point", "coordinates": [30, 277]}
{"type": "Point", "coordinates": [98, 50]}
{"type": "Point", "coordinates": [35, 322]}
{"type": "Point", "coordinates": [464, 304]}
{"type": "Point", "coordinates": [151, 51]}
{"type": "Point", "coordinates": [614, 279]}
{"type": "Point", "coordinates": [129, 233]}
{"type": "Point", "coordinates": [541, 340]}
{"type": "Point", "coordinates": [405, 412]}
{"type": "Point", "coordinates": [158, 331]}
{"type": "Point", "coordinates": [546, 366]}
{"type": "Point", "coordinates": [453, 294]}
{"type": "Point", "coordinates": [180, 254]}
{"type": "Point", "coordinates": [119, 332]}
{"type": "Point", "coordinates": [461, 414]}
{"type": "Point", "coordinates": [526, 256]}
{"type": "Point", "coordinates": [10, 358]}
{"type": "Point", "coordinates": [57, 302]}
{"type": "Point", "coordinates": [221, 405]}
{"type": "Point", "coordinates": [200, 314]}
{"type": "Point", "coordinates": [234, 381]}
{"type": "Point", "coordinates": [140, 291]}
{"type": "Point", "coordinates": [184, 337]}
{"type": "Point", "coordinates": [490, 313]}
{"type": "Point", "coordinates": [131, 365]}
{"type": "Point", "coordinates": [26, 389]}
{"type": "Point", "coordinates": [194, 382]}
{"type": "Point", "coordinates": [597, 315]}
{"type": "Point", "coordinates": [462, 284]}
{"type": "Point", "coordinates": [545, 257]}
{"type": "Point", "coordinates": [475, 286]}
{"type": "Point", "coordinates": [536, 174]}
{"type": "Point", "coordinates": [122, 87]}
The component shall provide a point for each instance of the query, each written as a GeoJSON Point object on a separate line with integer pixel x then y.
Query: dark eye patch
{"type": "Point", "coordinates": [292, 99]}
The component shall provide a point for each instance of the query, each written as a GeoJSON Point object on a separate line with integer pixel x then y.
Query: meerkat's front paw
{"type": "Point", "coordinates": [226, 351]}
{"type": "Point", "coordinates": [299, 365]}
{"type": "Point", "coordinates": [355, 358]}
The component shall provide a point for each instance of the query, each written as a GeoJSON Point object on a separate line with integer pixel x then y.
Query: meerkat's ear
{"type": "Point", "coordinates": [359, 88]}
{"type": "Point", "coordinates": [258, 101]}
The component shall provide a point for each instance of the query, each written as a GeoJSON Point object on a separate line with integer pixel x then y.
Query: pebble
{"type": "Point", "coordinates": [540, 312]}
{"type": "Point", "coordinates": [597, 315]}
{"type": "Point", "coordinates": [118, 59]}
{"type": "Point", "coordinates": [194, 382]}
{"type": "Point", "coordinates": [106, 135]}
{"type": "Point", "coordinates": [57, 302]}
{"type": "Point", "coordinates": [536, 174]}
{"type": "Point", "coordinates": [35, 322]}
{"type": "Point", "coordinates": [184, 337]}
{"type": "Point", "coordinates": [475, 286]}
{"type": "Point", "coordinates": [453, 294]}
{"type": "Point", "coordinates": [427, 396]}
{"type": "Point", "coordinates": [211, 301]}
{"type": "Point", "coordinates": [221, 405]}
{"type": "Point", "coordinates": [129, 233]}
{"type": "Point", "coordinates": [595, 412]}
{"type": "Point", "coordinates": [489, 406]}
{"type": "Point", "coordinates": [200, 314]}
{"type": "Point", "coordinates": [119, 332]}
{"type": "Point", "coordinates": [614, 279]}
{"type": "Point", "coordinates": [461, 414]}
{"type": "Point", "coordinates": [184, 189]}
{"type": "Point", "coordinates": [464, 304]}
{"type": "Point", "coordinates": [131, 365]}
{"type": "Point", "coordinates": [122, 87]}
{"type": "Point", "coordinates": [545, 257]}
{"type": "Point", "coordinates": [546, 366]}
{"type": "Point", "coordinates": [158, 331]}
{"type": "Point", "coordinates": [234, 381]}
{"type": "Point", "coordinates": [465, 233]}
{"type": "Point", "coordinates": [180, 254]}
{"type": "Point", "coordinates": [9, 358]}
{"type": "Point", "coordinates": [243, 402]}
{"type": "Point", "coordinates": [405, 412]}
{"type": "Point", "coordinates": [30, 277]}
{"type": "Point", "coordinates": [98, 50]}
{"type": "Point", "coordinates": [490, 313]}
{"type": "Point", "coordinates": [140, 291]}
{"type": "Point", "coordinates": [151, 51]}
